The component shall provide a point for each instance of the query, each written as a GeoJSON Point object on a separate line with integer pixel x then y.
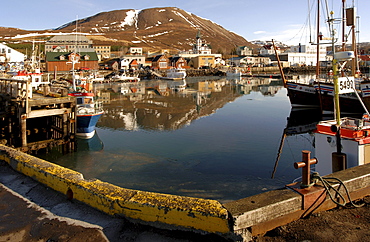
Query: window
{"type": "Point", "coordinates": [9, 50]}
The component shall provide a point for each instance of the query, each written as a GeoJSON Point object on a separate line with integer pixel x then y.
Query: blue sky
{"type": "Point", "coordinates": [282, 20]}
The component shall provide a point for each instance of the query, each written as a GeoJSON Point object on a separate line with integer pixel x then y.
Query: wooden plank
{"type": "Point", "coordinates": [48, 112]}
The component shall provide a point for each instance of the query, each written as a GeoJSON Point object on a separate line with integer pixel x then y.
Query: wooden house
{"type": "Point", "coordinates": [160, 62]}
{"type": "Point", "coordinates": [178, 62]}
{"type": "Point", "coordinates": [62, 61]}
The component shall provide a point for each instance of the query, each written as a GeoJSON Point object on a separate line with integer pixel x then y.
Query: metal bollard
{"type": "Point", "coordinates": [305, 164]}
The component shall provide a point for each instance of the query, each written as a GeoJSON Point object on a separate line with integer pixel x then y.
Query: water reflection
{"type": "Point", "coordinates": [92, 144]}
{"type": "Point", "coordinates": [171, 105]}
{"type": "Point", "coordinates": [216, 138]}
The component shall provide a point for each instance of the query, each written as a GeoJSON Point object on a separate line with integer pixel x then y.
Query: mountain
{"type": "Point", "coordinates": [154, 28]}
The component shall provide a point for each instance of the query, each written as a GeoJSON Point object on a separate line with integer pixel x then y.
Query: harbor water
{"type": "Point", "coordinates": [210, 137]}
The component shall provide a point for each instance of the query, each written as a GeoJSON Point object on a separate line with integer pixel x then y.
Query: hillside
{"type": "Point", "coordinates": [155, 28]}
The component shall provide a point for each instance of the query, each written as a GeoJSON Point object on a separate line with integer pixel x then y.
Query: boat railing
{"type": "Point", "coordinates": [349, 123]}
{"type": "Point", "coordinates": [90, 108]}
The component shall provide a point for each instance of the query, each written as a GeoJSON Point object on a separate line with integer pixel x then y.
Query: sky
{"type": "Point", "coordinates": [281, 20]}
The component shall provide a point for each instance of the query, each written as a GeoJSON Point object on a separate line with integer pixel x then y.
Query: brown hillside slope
{"type": "Point", "coordinates": [156, 28]}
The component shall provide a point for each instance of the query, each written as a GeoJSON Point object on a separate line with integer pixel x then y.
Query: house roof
{"type": "Point", "coordinates": [158, 57]}
{"type": "Point", "coordinates": [176, 58]}
{"type": "Point", "coordinates": [134, 63]}
{"type": "Point", "coordinates": [73, 39]}
{"type": "Point", "coordinates": [54, 56]}
{"type": "Point", "coordinates": [365, 57]}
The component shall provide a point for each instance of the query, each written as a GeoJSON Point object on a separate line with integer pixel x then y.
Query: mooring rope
{"type": "Point", "coordinates": [329, 185]}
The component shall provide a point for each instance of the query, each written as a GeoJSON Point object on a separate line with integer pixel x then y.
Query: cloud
{"type": "Point", "coordinates": [290, 34]}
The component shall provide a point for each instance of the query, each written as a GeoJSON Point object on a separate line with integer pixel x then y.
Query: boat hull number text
{"type": "Point", "coordinates": [346, 85]}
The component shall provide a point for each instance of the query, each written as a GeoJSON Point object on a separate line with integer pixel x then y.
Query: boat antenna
{"type": "Point", "coordinates": [309, 20]}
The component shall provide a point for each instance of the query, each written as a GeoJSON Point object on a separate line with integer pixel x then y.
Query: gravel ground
{"type": "Point", "coordinates": [340, 224]}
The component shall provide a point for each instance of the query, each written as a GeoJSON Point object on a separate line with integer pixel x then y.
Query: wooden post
{"type": "Point", "coordinates": [24, 130]}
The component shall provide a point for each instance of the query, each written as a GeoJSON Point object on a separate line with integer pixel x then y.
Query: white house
{"type": "Point", "coordinates": [249, 61]}
{"type": "Point", "coordinates": [243, 50]}
{"type": "Point", "coordinates": [219, 61]}
{"type": "Point", "coordinates": [128, 60]}
{"type": "Point", "coordinates": [269, 50]}
{"type": "Point", "coordinates": [201, 47]}
{"type": "Point", "coordinates": [136, 51]}
{"type": "Point", "coordinates": [8, 54]}
{"type": "Point", "coordinates": [304, 55]}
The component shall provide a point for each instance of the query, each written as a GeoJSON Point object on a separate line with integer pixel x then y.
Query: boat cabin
{"type": "Point", "coordinates": [355, 143]}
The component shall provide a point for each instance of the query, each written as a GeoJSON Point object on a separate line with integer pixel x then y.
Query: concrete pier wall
{"type": "Point", "coordinates": [152, 208]}
{"type": "Point", "coordinates": [239, 220]}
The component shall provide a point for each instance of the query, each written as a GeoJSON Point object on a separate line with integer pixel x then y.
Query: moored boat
{"type": "Point", "coordinates": [322, 94]}
{"type": "Point", "coordinates": [354, 144]}
{"type": "Point", "coordinates": [319, 92]}
{"type": "Point", "coordinates": [233, 72]}
{"type": "Point", "coordinates": [175, 74]}
{"type": "Point", "coordinates": [123, 76]}
{"type": "Point", "coordinates": [88, 112]}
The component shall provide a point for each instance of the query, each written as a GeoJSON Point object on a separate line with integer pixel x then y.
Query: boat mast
{"type": "Point", "coordinates": [279, 64]}
{"type": "Point", "coordinates": [74, 60]}
{"type": "Point", "coordinates": [354, 46]}
{"type": "Point", "coordinates": [318, 37]}
{"type": "Point", "coordinates": [344, 25]}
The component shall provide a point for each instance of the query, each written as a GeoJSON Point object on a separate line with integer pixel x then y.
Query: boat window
{"type": "Point", "coordinates": [88, 101]}
{"type": "Point", "coordinates": [79, 101]}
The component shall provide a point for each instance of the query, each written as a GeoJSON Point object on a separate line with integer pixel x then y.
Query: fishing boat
{"type": "Point", "coordinates": [124, 76]}
{"type": "Point", "coordinates": [88, 113]}
{"type": "Point", "coordinates": [175, 74]}
{"type": "Point", "coordinates": [350, 150]}
{"type": "Point", "coordinates": [32, 72]}
{"type": "Point", "coordinates": [319, 92]}
{"type": "Point", "coordinates": [342, 143]}
{"type": "Point", "coordinates": [233, 72]}
{"type": "Point", "coordinates": [36, 78]}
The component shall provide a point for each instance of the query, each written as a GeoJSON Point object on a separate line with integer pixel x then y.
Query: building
{"type": "Point", "coordinates": [69, 43]}
{"type": "Point", "coordinates": [201, 47]}
{"type": "Point", "coordinates": [202, 61]}
{"type": "Point", "coordinates": [219, 61]}
{"type": "Point", "coordinates": [201, 54]}
{"type": "Point", "coordinates": [132, 61]}
{"type": "Point", "coordinates": [178, 62]}
{"type": "Point", "coordinates": [269, 50]}
{"type": "Point", "coordinates": [304, 55]}
{"type": "Point", "coordinates": [103, 51]}
{"type": "Point", "coordinates": [62, 61]}
{"type": "Point", "coordinates": [249, 61]}
{"type": "Point", "coordinates": [8, 54]}
{"type": "Point", "coordinates": [135, 51]}
{"type": "Point", "coordinates": [364, 60]}
{"type": "Point", "coordinates": [244, 50]}
{"type": "Point", "coordinates": [160, 62]}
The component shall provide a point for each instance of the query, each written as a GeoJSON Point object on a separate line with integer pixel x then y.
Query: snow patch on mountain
{"type": "Point", "coordinates": [186, 19]}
